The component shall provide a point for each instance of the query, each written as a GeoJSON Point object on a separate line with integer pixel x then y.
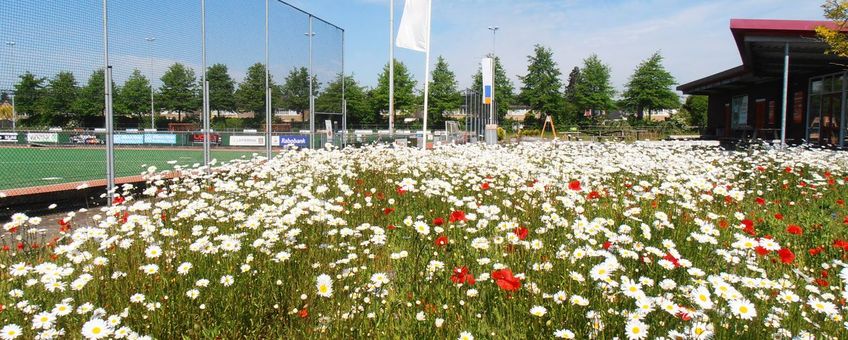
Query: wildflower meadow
{"type": "Point", "coordinates": [526, 241]}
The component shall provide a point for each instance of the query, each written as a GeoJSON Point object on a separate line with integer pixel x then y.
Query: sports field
{"type": "Point", "coordinates": [27, 167]}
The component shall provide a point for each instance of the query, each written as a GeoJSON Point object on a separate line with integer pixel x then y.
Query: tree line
{"type": "Point", "coordinates": [583, 98]}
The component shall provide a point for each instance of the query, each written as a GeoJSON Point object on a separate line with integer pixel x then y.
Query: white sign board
{"type": "Point", "coordinates": [247, 140]}
{"type": "Point", "coordinates": [38, 137]}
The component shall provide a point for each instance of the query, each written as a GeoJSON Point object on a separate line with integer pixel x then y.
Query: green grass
{"type": "Point", "coordinates": [26, 167]}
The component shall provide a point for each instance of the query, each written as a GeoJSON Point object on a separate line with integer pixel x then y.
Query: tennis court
{"type": "Point", "coordinates": [28, 167]}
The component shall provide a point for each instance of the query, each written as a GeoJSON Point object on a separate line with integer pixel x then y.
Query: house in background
{"type": "Point", "coordinates": [746, 101]}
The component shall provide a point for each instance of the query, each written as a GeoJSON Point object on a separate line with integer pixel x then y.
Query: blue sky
{"type": "Point", "coordinates": [693, 35]}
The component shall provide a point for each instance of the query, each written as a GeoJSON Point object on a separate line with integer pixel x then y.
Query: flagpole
{"type": "Point", "coordinates": [427, 72]}
{"type": "Point", "coordinates": [391, 67]}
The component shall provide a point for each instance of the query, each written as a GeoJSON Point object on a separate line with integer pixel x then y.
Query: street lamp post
{"type": "Point", "coordinates": [11, 45]}
{"type": "Point", "coordinates": [150, 40]}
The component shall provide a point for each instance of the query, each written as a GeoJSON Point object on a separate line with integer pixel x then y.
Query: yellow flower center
{"type": "Point", "coordinates": [96, 330]}
{"type": "Point", "coordinates": [743, 309]}
{"type": "Point", "coordinates": [636, 330]}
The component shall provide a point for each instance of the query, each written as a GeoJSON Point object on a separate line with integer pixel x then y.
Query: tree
{"type": "Point", "coordinates": [250, 95]}
{"type": "Point", "coordinates": [836, 11]}
{"type": "Point", "coordinates": [695, 110]}
{"type": "Point", "coordinates": [90, 103]}
{"type": "Point", "coordinates": [593, 90]}
{"type": "Point", "coordinates": [179, 91]}
{"type": "Point", "coordinates": [358, 110]}
{"type": "Point", "coordinates": [570, 104]}
{"type": "Point", "coordinates": [444, 96]}
{"type": "Point", "coordinates": [222, 89]}
{"type": "Point", "coordinates": [542, 89]}
{"type": "Point", "coordinates": [649, 88]}
{"type": "Point", "coordinates": [28, 93]}
{"type": "Point", "coordinates": [504, 89]}
{"type": "Point", "coordinates": [295, 90]}
{"type": "Point", "coordinates": [58, 99]}
{"type": "Point", "coordinates": [405, 99]}
{"type": "Point", "coordinates": [134, 97]}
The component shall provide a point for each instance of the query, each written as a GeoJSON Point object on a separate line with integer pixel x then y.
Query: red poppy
{"type": "Point", "coordinates": [438, 221]}
{"type": "Point", "coordinates": [593, 195]}
{"type": "Point", "coordinates": [749, 227]}
{"type": "Point", "coordinates": [462, 275]}
{"type": "Point", "coordinates": [442, 240]}
{"type": "Point", "coordinates": [574, 185]}
{"type": "Point", "coordinates": [607, 245]}
{"type": "Point", "coordinates": [118, 200]}
{"type": "Point", "coordinates": [786, 255]}
{"type": "Point", "coordinates": [6, 247]}
{"type": "Point", "coordinates": [670, 258]}
{"type": "Point", "coordinates": [815, 251]}
{"type": "Point", "coordinates": [840, 202]}
{"type": "Point", "coordinates": [391, 227]}
{"type": "Point", "coordinates": [20, 246]}
{"type": "Point", "coordinates": [164, 216]}
{"type": "Point", "coordinates": [778, 216]}
{"type": "Point", "coordinates": [760, 201]}
{"type": "Point", "coordinates": [761, 168]}
{"type": "Point", "coordinates": [845, 220]}
{"type": "Point", "coordinates": [400, 191]}
{"type": "Point", "coordinates": [387, 211]}
{"type": "Point", "coordinates": [822, 282]}
{"type": "Point", "coordinates": [521, 232]}
{"type": "Point", "coordinates": [684, 316]}
{"type": "Point", "coordinates": [485, 186]}
{"type": "Point", "coordinates": [841, 244]}
{"type": "Point", "coordinates": [457, 216]}
{"type": "Point", "coordinates": [303, 313]}
{"type": "Point", "coordinates": [787, 169]}
{"type": "Point", "coordinates": [723, 224]}
{"type": "Point", "coordinates": [504, 279]}
{"type": "Point", "coordinates": [794, 229]}
{"type": "Point", "coordinates": [761, 251]}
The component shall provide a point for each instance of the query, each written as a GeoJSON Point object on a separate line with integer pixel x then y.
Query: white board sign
{"type": "Point", "coordinates": [38, 137]}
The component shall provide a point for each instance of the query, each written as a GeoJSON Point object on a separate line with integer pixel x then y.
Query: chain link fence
{"type": "Point", "coordinates": [191, 82]}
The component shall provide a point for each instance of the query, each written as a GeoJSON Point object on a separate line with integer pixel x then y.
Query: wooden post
{"type": "Point", "coordinates": [548, 119]}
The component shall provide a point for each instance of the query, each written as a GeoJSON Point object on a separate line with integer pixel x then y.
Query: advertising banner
{"type": "Point", "coordinates": [38, 137]}
{"type": "Point", "coordinates": [301, 141]}
{"type": "Point", "coordinates": [247, 140]}
{"type": "Point", "coordinates": [85, 139]}
{"type": "Point", "coordinates": [160, 138]}
{"type": "Point", "coordinates": [9, 137]}
{"type": "Point", "coordinates": [129, 139]}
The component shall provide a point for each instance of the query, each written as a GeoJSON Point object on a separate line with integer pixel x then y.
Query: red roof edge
{"type": "Point", "coordinates": [780, 25]}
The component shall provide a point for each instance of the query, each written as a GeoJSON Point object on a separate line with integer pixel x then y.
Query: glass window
{"type": "Point", "coordinates": [828, 85]}
{"type": "Point", "coordinates": [739, 111]}
{"type": "Point", "coordinates": [816, 87]}
{"type": "Point", "coordinates": [814, 119]}
{"type": "Point", "coordinates": [837, 83]}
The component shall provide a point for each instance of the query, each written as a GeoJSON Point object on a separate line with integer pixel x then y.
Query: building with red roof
{"type": "Point", "coordinates": [748, 101]}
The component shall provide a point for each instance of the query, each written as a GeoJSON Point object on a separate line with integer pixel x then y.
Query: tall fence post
{"type": "Point", "coordinates": [107, 97]}
{"type": "Point", "coordinates": [205, 82]}
{"type": "Point", "coordinates": [311, 89]}
{"type": "Point", "coordinates": [268, 115]}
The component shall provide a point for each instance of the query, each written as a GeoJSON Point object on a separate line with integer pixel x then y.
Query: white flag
{"type": "Point", "coordinates": [486, 69]}
{"type": "Point", "coordinates": [414, 28]}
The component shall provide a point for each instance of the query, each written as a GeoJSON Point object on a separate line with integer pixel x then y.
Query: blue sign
{"type": "Point", "coordinates": [160, 138]}
{"type": "Point", "coordinates": [129, 139]}
{"type": "Point", "coordinates": [296, 140]}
